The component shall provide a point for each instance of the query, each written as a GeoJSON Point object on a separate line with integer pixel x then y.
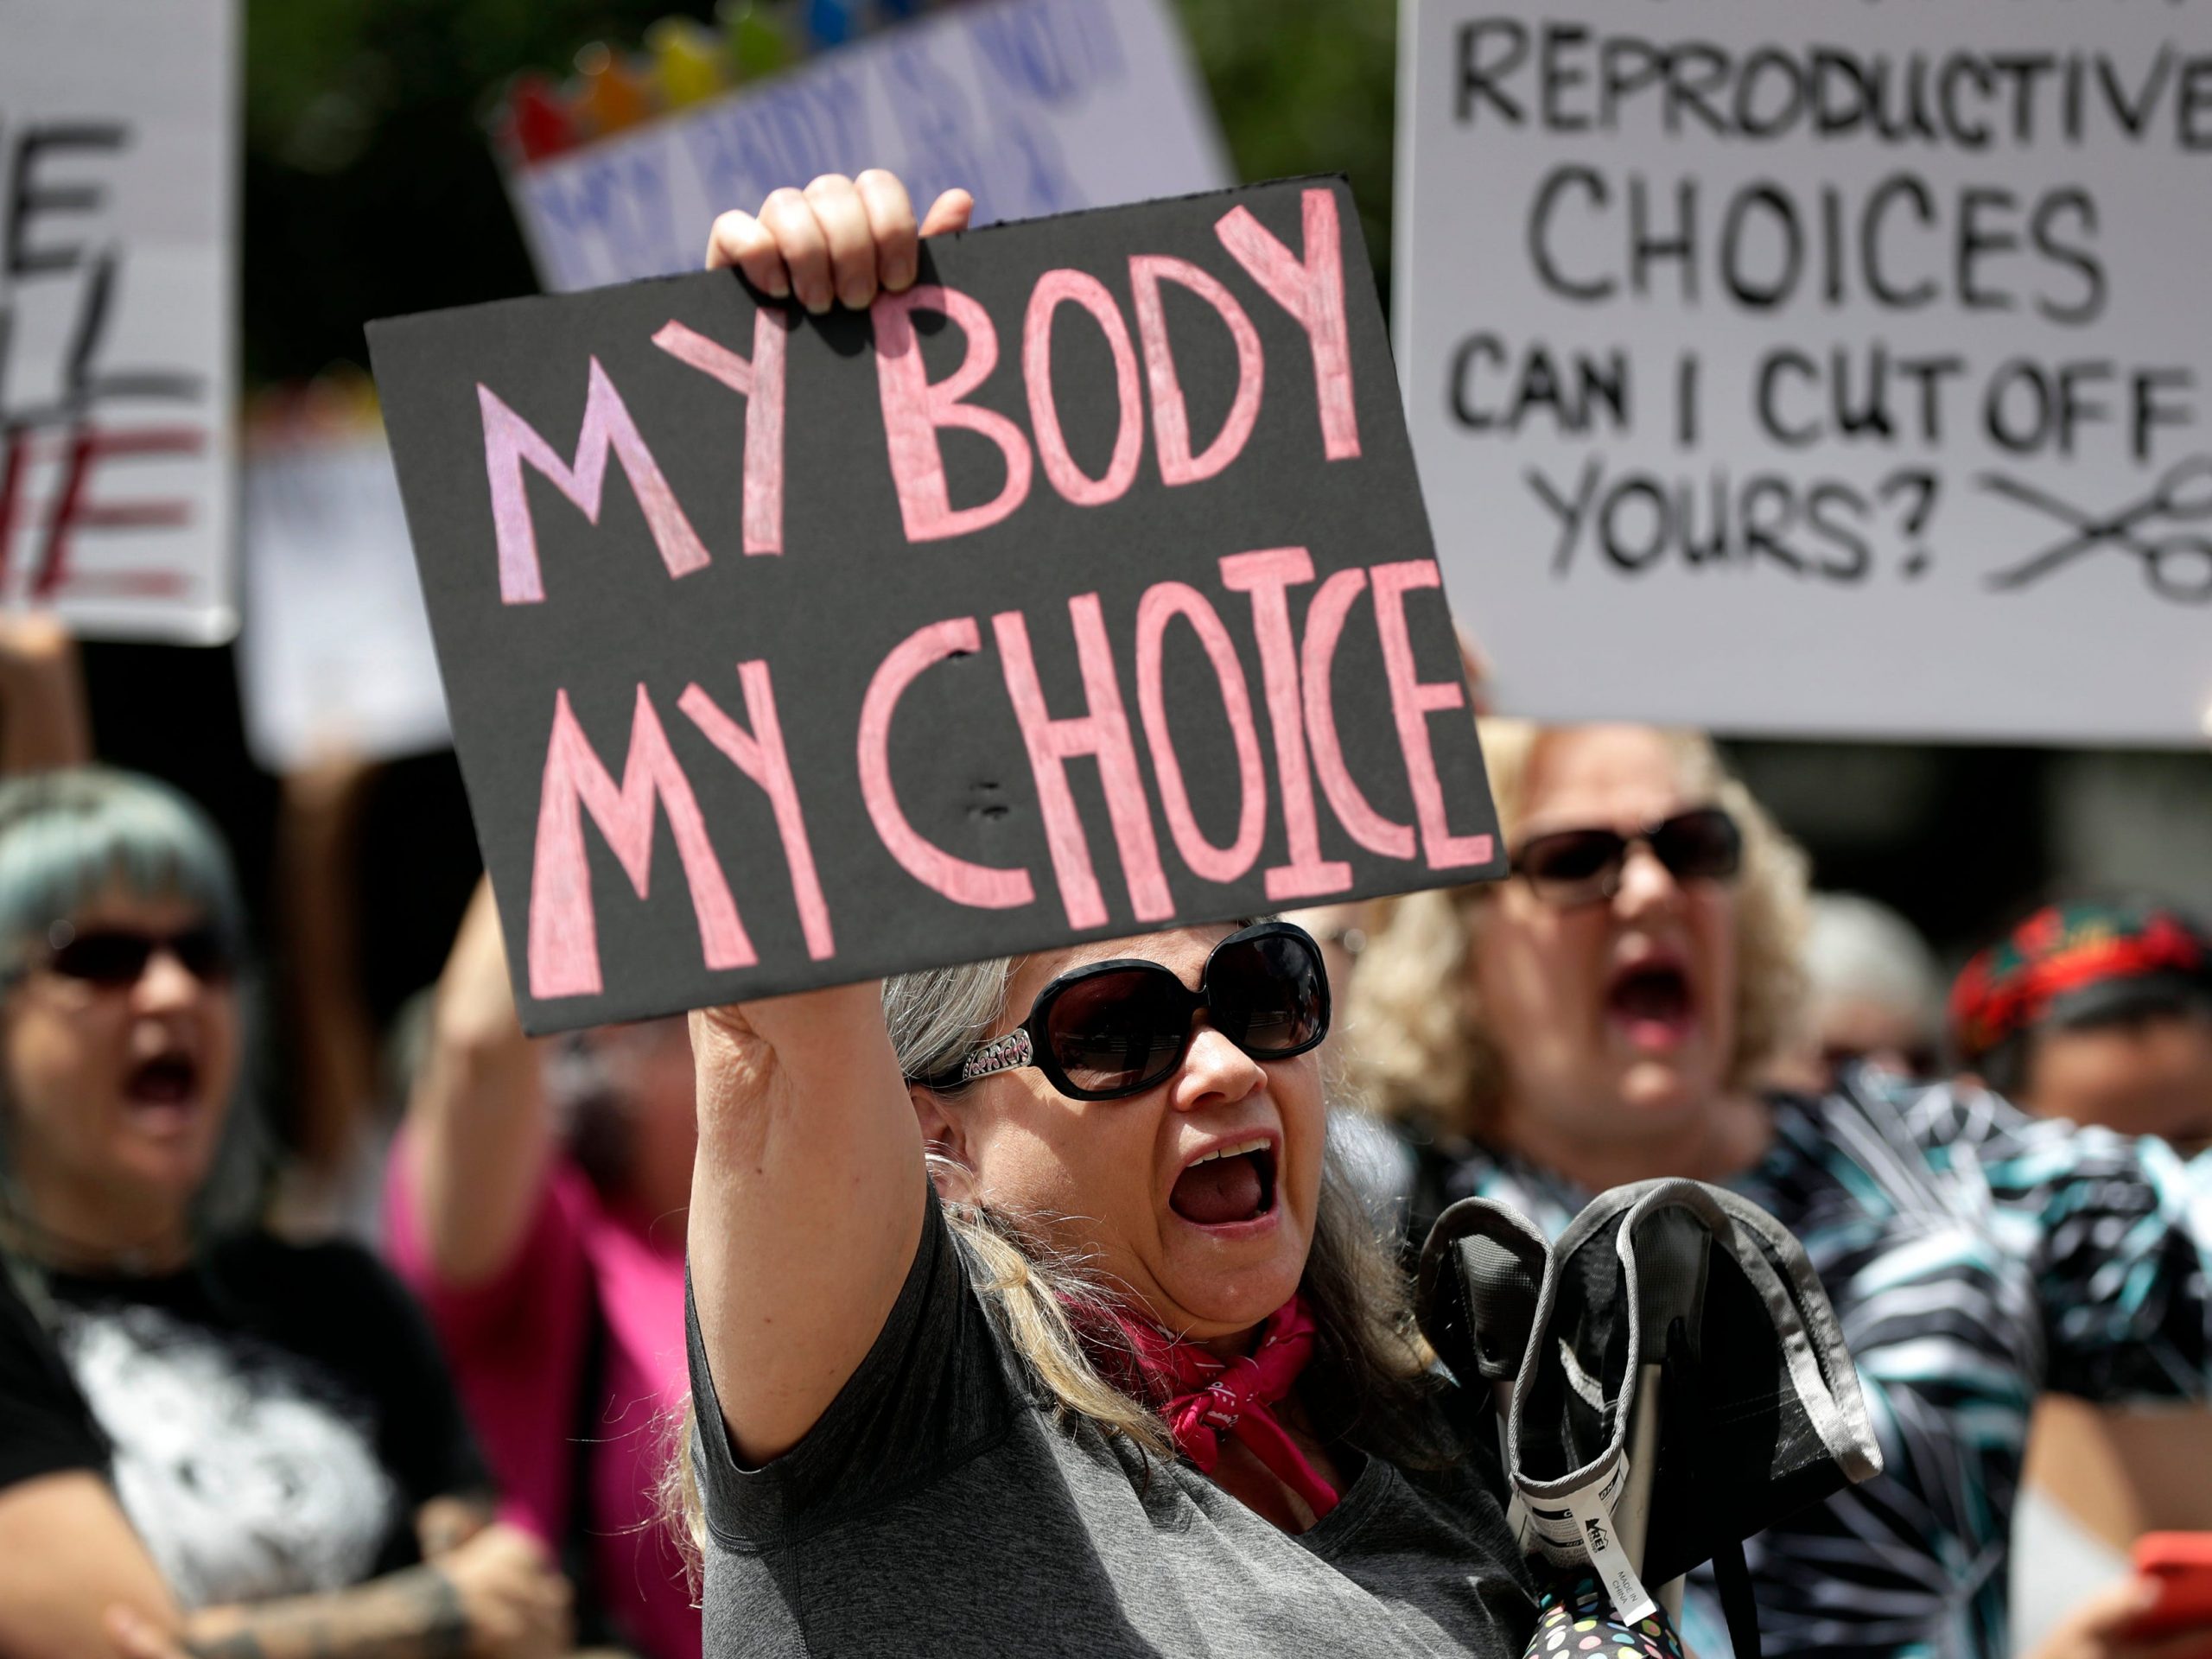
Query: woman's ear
{"type": "Point", "coordinates": [944, 1138]}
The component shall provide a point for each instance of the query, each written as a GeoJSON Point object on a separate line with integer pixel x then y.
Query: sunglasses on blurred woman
{"type": "Point", "coordinates": [1572, 868]}
{"type": "Point", "coordinates": [113, 958]}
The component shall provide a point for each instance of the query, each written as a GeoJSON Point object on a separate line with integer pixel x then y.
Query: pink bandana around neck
{"type": "Point", "coordinates": [1203, 1398]}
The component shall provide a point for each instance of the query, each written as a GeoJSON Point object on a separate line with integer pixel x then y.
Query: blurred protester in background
{"type": "Point", "coordinates": [275, 1421]}
{"type": "Point", "coordinates": [2100, 1013]}
{"type": "Point", "coordinates": [1873, 994]}
{"type": "Point", "coordinates": [537, 1204]}
{"type": "Point", "coordinates": [1603, 1017]}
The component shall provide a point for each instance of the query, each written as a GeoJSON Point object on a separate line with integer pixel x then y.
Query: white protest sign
{"type": "Point", "coordinates": [1037, 106]}
{"type": "Point", "coordinates": [335, 656]}
{"type": "Point", "coordinates": [1787, 366]}
{"type": "Point", "coordinates": [118, 156]}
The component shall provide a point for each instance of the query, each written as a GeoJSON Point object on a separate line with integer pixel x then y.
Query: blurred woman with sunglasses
{"type": "Point", "coordinates": [274, 1419]}
{"type": "Point", "coordinates": [1605, 1016]}
{"type": "Point", "coordinates": [1028, 1312]}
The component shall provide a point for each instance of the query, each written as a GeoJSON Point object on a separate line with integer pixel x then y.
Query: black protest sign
{"type": "Point", "coordinates": [1084, 589]}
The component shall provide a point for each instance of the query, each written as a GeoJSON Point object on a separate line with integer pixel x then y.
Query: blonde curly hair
{"type": "Point", "coordinates": [1422, 1045]}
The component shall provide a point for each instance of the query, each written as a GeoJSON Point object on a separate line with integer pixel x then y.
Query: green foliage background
{"type": "Point", "coordinates": [370, 188]}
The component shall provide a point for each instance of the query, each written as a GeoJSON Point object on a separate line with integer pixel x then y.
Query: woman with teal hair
{"type": "Point", "coordinates": [273, 1419]}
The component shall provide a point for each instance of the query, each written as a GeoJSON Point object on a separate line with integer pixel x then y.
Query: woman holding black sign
{"type": "Point", "coordinates": [950, 1364]}
{"type": "Point", "coordinates": [924, 1423]}
{"type": "Point", "coordinates": [1618, 1001]}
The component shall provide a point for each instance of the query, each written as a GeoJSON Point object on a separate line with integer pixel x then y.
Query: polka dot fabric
{"type": "Point", "coordinates": [1577, 1624]}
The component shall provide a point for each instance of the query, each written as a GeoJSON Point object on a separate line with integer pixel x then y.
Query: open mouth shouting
{"type": "Point", "coordinates": [1653, 1003]}
{"type": "Point", "coordinates": [162, 1091]}
{"type": "Point", "coordinates": [1228, 1185]}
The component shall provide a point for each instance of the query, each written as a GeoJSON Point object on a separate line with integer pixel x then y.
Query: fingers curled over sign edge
{"type": "Point", "coordinates": [891, 217]}
{"type": "Point", "coordinates": [740, 240]}
{"type": "Point", "coordinates": [790, 219]}
{"type": "Point", "coordinates": [839, 239]}
{"type": "Point", "coordinates": [848, 236]}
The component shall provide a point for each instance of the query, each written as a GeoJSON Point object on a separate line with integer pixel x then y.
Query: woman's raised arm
{"type": "Point", "coordinates": [806, 1204]}
{"type": "Point", "coordinates": [479, 1132]}
{"type": "Point", "coordinates": [806, 1200]}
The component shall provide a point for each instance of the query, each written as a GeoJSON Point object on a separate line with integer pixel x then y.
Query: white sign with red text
{"type": "Point", "coordinates": [118, 156]}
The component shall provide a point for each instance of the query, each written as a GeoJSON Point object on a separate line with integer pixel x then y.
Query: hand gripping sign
{"type": "Point", "coordinates": [1083, 588]}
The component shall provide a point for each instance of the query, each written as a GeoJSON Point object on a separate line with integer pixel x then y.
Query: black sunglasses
{"type": "Point", "coordinates": [1112, 1029]}
{"type": "Point", "coordinates": [114, 957]}
{"type": "Point", "coordinates": [1581, 867]}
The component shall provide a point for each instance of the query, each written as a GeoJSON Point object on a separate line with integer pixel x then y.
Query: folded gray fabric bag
{"type": "Point", "coordinates": [1671, 1372]}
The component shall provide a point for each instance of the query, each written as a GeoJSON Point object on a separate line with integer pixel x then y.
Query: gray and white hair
{"type": "Point", "coordinates": [938, 1017]}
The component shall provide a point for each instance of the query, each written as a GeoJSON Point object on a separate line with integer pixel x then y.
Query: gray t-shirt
{"type": "Point", "coordinates": [937, 1508]}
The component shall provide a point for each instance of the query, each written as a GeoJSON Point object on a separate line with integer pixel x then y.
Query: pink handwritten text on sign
{"type": "Point", "coordinates": [915, 410]}
{"type": "Point", "coordinates": [562, 929]}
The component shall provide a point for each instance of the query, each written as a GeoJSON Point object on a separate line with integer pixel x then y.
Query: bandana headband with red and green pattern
{"type": "Point", "coordinates": [2011, 986]}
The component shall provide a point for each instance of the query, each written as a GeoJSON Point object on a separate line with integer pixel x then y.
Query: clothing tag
{"type": "Point", "coordinates": [1557, 1529]}
{"type": "Point", "coordinates": [1582, 1533]}
{"type": "Point", "coordinates": [1594, 1516]}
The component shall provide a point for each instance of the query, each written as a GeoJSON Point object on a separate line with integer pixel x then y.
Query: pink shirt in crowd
{"type": "Point", "coordinates": [519, 1344]}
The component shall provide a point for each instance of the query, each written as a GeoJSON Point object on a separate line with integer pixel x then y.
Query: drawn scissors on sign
{"type": "Point", "coordinates": [2178, 566]}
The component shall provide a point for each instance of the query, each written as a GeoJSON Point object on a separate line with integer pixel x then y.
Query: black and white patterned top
{"type": "Point", "coordinates": [273, 1416]}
